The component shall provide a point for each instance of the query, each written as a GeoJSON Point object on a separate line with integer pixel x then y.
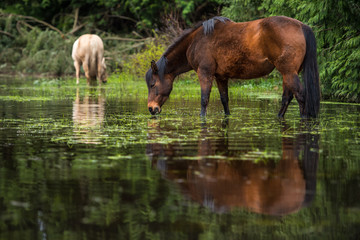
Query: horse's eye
{"type": "Point", "coordinates": [152, 85]}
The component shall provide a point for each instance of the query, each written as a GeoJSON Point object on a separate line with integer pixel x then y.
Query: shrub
{"type": "Point", "coordinates": [46, 52]}
{"type": "Point", "coordinates": [139, 63]}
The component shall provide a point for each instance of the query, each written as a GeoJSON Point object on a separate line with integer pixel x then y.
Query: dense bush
{"type": "Point", "coordinates": [139, 63]}
{"type": "Point", "coordinates": [37, 49]}
{"type": "Point", "coordinates": [116, 16]}
{"type": "Point", "coordinates": [46, 51]}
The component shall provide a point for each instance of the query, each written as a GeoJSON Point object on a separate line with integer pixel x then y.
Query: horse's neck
{"type": "Point", "coordinates": [176, 68]}
{"type": "Point", "coordinates": [177, 60]}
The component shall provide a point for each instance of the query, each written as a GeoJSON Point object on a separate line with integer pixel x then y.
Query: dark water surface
{"type": "Point", "coordinates": [80, 163]}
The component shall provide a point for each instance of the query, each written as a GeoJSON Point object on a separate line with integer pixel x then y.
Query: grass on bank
{"type": "Point", "coordinates": [126, 85]}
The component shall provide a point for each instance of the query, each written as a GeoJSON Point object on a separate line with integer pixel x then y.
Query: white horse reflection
{"type": "Point", "coordinates": [88, 117]}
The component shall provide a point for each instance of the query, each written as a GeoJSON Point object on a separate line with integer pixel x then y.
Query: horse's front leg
{"type": "Point", "coordinates": [205, 84]}
{"type": "Point", "coordinates": [87, 71]}
{"type": "Point", "coordinates": [224, 96]}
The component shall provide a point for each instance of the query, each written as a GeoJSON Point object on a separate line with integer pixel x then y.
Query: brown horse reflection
{"type": "Point", "coordinates": [88, 116]}
{"type": "Point", "coordinates": [268, 187]}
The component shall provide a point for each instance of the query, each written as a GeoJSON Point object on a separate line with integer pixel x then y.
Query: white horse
{"type": "Point", "coordinates": [88, 51]}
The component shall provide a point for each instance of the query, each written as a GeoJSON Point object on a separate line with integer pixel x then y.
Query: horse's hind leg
{"type": "Point", "coordinates": [205, 83]}
{"type": "Point", "coordinates": [222, 85]}
{"type": "Point", "coordinates": [286, 99]}
{"type": "Point", "coordinates": [291, 82]}
{"type": "Point", "coordinates": [77, 69]}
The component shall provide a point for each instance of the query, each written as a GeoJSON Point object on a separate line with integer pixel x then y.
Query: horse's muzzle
{"type": "Point", "coordinates": [154, 110]}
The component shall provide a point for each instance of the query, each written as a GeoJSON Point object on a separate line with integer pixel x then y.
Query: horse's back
{"type": "Point", "coordinates": [232, 51]}
{"type": "Point", "coordinates": [271, 37]}
{"type": "Point", "coordinates": [88, 45]}
{"type": "Point", "coordinates": [250, 49]}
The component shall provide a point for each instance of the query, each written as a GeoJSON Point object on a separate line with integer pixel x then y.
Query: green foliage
{"type": "Point", "coordinates": [30, 49]}
{"type": "Point", "coordinates": [116, 16]}
{"type": "Point", "coordinates": [138, 64]}
{"type": "Point", "coordinates": [192, 11]}
{"type": "Point", "coordinates": [46, 51]}
{"type": "Point", "coordinates": [242, 11]}
{"type": "Point", "coordinates": [342, 70]}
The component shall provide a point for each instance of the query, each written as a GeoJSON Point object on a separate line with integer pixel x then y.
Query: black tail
{"type": "Point", "coordinates": [309, 165]}
{"type": "Point", "coordinates": [311, 75]}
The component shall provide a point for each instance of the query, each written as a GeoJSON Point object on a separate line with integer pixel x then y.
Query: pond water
{"type": "Point", "coordinates": [91, 163]}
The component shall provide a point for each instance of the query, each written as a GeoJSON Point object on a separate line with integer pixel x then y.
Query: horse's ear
{"type": "Point", "coordinates": [154, 67]}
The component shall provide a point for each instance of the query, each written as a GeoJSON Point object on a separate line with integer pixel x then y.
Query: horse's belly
{"type": "Point", "coordinates": [246, 69]}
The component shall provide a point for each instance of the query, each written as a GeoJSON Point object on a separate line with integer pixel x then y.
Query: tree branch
{"type": "Point", "coordinates": [35, 20]}
{"type": "Point", "coordinates": [125, 39]}
{"type": "Point", "coordinates": [77, 28]}
{"type": "Point", "coordinates": [25, 23]}
{"type": "Point", "coordinates": [123, 17]}
{"type": "Point", "coordinates": [7, 34]}
{"type": "Point", "coordinates": [76, 18]}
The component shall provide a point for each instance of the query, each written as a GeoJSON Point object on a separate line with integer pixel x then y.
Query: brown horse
{"type": "Point", "coordinates": [221, 49]}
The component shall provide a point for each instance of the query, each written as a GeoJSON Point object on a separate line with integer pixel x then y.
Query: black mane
{"type": "Point", "coordinates": [210, 24]}
{"type": "Point", "coordinates": [161, 64]}
{"type": "Point", "coordinates": [208, 29]}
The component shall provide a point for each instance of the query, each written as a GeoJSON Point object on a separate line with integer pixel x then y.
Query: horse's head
{"type": "Point", "coordinates": [103, 75]}
{"type": "Point", "coordinates": [159, 85]}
